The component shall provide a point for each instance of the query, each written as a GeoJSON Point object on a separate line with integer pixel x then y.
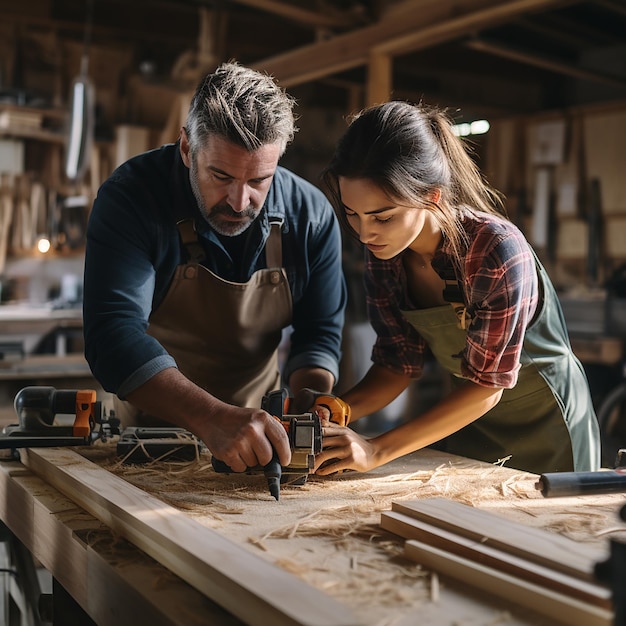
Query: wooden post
{"type": "Point", "coordinates": [379, 78]}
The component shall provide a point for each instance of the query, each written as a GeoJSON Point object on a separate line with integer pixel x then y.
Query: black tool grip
{"type": "Point", "coordinates": [272, 471]}
{"type": "Point", "coordinates": [582, 483]}
{"type": "Point", "coordinates": [43, 403]}
{"type": "Point", "coordinates": [220, 466]}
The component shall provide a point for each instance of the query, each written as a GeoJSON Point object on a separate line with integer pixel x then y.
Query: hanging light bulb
{"type": "Point", "coordinates": [43, 244]}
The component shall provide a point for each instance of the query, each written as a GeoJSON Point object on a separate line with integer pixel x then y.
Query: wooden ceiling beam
{"type": "Point", "coordinates": [612, 5]}
{"type": "Point", "coordinates": [309, 18]}
{"type": "Point", "coordinates": [100, 32]}
{"type": "Point", "coordinates": [399, 33]}
{"type": "Point", "coordinates": [567, 39]}
{"type": "Point", "coordinates": [585, 30]}
{"type": "Point", "coordinates": [462, 25]}
{"type": "Point", "coordinates": [544, 63]}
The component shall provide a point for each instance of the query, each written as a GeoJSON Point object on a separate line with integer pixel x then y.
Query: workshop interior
{"type": "Point", "coordinates": [537, 88]}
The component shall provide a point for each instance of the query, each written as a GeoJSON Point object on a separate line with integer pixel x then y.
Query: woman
{"type": "Point", "coordinates": [445, 270]}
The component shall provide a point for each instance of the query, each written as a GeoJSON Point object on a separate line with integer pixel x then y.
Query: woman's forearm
{"type": "Point", "coordinates": [375, 390]}
{"type": "Point", "coordinates": [463, 406]}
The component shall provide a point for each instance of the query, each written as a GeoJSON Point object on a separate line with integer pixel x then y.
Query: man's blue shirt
{"type": "Point", "coordinates": [133, 249]}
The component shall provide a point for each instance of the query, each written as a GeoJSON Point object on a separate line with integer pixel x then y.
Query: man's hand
{"type": "Point", "coordinates": [240, 437]}
{"type": "Point", "coordinates": [244, 438]}
{"type": "Point", "coordinates": [344, 450]}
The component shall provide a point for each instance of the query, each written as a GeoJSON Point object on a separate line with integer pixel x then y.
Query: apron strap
{"type": "Point", "coordinates": [189, 237]}
{"type": "Point", "coordinates": [453, 294]}
{"type": "Point", "coordinates": [273, 249]}
{"type": "Point", "coordinates": [274, 246]}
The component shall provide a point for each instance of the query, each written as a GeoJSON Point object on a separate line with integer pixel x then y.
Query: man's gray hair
{"type": "Point", "coordinates": [243, 106]}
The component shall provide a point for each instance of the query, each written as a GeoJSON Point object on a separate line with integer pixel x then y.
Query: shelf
{"type": "Point", "coordinates": [44, 367]}
{"type": "Point", "coordinates": [40, 124]}
{"type": "Point", "coordinates": [33, 133]}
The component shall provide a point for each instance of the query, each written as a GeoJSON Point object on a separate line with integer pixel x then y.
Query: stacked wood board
{"type": "Point", "coordinates": [547, 573]}
{"type": "Point", "coordinates": [16, 118]}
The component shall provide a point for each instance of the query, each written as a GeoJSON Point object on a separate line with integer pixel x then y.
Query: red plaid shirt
{"type": "Point", "coordinates": [501, 293]}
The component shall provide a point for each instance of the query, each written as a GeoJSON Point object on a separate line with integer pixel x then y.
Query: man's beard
{"type": "Point", "coordinates": [216, 214]}
{"type": "Point", "coordinates": [215, 218]}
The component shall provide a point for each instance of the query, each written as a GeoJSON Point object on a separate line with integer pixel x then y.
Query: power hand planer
{"type": "Point", "coordinates": [38, 407]}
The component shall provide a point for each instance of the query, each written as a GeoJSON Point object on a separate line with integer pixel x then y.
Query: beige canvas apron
{"type": "Point", "coordinates": [546, 423]}
{"type": "Point", "coordinates": [224, 336]}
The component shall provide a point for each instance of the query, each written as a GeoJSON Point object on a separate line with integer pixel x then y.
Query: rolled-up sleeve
{"type": "Point", "coordinates": [502, 292]}
{"type": "Point", "coordinates": [119, 287]}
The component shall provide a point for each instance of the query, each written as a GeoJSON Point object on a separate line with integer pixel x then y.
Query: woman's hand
{"type": "Point", "coordinates": [344, 450]}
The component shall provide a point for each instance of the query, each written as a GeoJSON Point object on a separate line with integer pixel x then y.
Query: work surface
{"type": "Point", "coordinates": [326, 533]}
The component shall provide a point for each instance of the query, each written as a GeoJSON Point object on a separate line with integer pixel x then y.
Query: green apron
{"type": "Point", "coordinates": [546, 423]}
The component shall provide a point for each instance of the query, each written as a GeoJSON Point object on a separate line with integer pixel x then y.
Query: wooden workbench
{"type": "Point", "coordinates": [324, 534]}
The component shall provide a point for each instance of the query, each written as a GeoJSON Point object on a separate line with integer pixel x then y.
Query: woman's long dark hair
{"type": "Point", "coordinates": [410, 151]}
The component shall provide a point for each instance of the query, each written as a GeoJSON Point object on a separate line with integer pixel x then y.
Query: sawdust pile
{"type": "Point", "coordinates": [196, 484]}
{"type": "Point", "coordinates": [327, 531]}
{"type": "Point", "coordinates": [334, 507]}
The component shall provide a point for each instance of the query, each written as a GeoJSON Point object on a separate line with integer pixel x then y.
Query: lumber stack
{"type": "Point", "coordinates": [530, 567]}
{"type": "Point", "coordinates": [20, 118]}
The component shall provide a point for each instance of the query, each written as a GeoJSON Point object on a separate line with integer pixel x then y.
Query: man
{"type": "Point", "coordinates": [198, 255]}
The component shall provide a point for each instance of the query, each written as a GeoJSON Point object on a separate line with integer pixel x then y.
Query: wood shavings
{"type": "Point", "coordinates": [201, 505]}
{"type": "Point", "coordinates": [502, 461]}
{"type": "Point", "coordinates": [519, 486]}
{"type": "Point", "coordinates": [380, 587]}
{"type": "Point", "coordinates": [257, 543]}
{"type": "Point", "coordinates": [299, 569]}
{"type": "Point", "coordinates": [468, 485]}
{"type": "Point", "coordinates": [336, 522]}
{"type": "Point", "coordinates": [573, 524]}
{"type": "Point", "coordinates": [611, 531]}
{"type": "Point", "coordinates": [327, 531]}
{"type": "Point", "coordinates": [524, 509]}
{"type": "Point", "coordinates": [354, 574]}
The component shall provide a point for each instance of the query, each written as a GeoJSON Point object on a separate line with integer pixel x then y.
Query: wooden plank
{"type": "Point", "coordinates": [246, 585]}
{"type": "Point", "coordinates": [500, 560]}
{"type": "Point", "coordinates": [400, 33]}
{"type": "Point", "coordinates": [544, 62]}
{"type": "Point", "coordinates": [314, 19]}
{"type": "Point", "coordinates": [537, 545]}
{"type": "Point", "coordinates": [561, 608]}
{"type": "Point", "coordinates": [113, 582]}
